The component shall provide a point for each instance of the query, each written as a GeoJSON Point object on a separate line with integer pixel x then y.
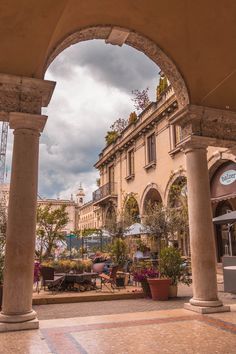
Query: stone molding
{"type": "Point", "coordinates": [215, 127]}
{"type": "Point", "coordinates": [27, 121]}
{"type": "Point", "coordinates": [135, 40]}
{"type": "Point", "coordinates": [23, 94]}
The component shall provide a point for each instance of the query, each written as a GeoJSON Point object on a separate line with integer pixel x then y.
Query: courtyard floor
{"type": "Point", "coordinates": [127, 327]}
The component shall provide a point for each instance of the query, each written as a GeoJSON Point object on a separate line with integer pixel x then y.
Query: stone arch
{"type": "Point", "coordinates": [135, 40]}
{"type": "Point", "coordinates": [177, 174]}
{"type": "Point", "coordinates": [175, 196]}
{"type": "Point", "coordinates": [218, 159]}
{"type": "Point", "coordinates": [151, 193]}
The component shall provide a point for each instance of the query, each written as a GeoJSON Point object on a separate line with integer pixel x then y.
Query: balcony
{"type": "Point", "coordinates": [108, 190]}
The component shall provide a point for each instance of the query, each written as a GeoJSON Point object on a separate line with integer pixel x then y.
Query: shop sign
{"type": "Point", "coordinates": [228, 177]}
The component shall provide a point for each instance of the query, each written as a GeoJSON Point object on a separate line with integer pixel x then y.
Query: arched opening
{"type": "Point", "coordinates": [119, 36]}
{"type": "Point", "coordinates": [151, 197]}
{"type": "Point", "coordinates": [177, 200]}
{"type": "Point", "coordinates": [131, 210]}
{"type": "Point", "coordinates": [223, 196]}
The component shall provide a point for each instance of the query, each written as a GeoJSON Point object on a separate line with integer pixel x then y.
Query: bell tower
{"type": "Point", "coordinates": [80, 196]}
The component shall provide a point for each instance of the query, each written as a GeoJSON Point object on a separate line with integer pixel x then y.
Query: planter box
{"type": "Point", "coordinates": [159, 288]}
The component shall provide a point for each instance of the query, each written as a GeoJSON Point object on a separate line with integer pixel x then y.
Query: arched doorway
{"type": "Point", "coordinates": [223, 196]}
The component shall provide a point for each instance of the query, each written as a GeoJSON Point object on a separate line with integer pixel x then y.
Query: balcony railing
{"type": "Point", "coordinates": [107, 190]}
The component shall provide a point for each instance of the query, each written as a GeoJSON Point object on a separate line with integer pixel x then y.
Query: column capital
{"type": "Point", "coordinates": [216, 125]}
{"type": "Point", "coordinates": [23, 94]}
{"type": "Point", "coordinates": [27, 121]}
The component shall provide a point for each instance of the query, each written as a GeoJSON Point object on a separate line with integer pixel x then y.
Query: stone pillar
{"type": "Point", "coordinates": [17, 310]}
{"type": "Point", "coordinates": [203, 254]}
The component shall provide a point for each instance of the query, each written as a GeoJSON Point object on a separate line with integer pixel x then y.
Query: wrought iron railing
{"type": "Point", "coordinates": [108, 189]}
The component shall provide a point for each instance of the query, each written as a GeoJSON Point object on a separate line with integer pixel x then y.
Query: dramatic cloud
{"type": "Point", "coordinates": [94, 83]}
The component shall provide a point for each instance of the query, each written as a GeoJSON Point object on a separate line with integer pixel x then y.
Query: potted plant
{"type": "Point", "coordinates": [172, 266]}
{"type": "Point", "coordinates": [159, 288]}
{"type": "Point", "coordinates": [142, 277]}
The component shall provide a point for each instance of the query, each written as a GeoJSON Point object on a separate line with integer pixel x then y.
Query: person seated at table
{"type": "Point", "coordinates": [147, 253]}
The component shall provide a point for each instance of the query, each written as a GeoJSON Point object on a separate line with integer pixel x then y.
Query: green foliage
{"type": "Point", "coordinates": [131, 210]}
{"type": "Point", "coordinates": [119, 251]}
{"type": "Point", "coordinates": [111, 137]}
{"type": "Point", "coordinates": [133, 117]}
{"type": "Point", "coordinates": [163, 84]}
{"type": "Point", "coordinates": [50, 223]}
{"type": "Point", "coordinates": [172, 266]}
{"type": "Point", "coordinates": [159, 222]}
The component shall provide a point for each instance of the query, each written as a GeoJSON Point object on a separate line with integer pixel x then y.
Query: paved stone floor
{"type": "Point", "coordinates": [137, 326]}
{"type": "Point", "coordinates": [175, 331]}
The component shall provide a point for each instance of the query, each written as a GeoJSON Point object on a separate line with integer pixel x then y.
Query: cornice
{"type": "Point", "coordinates": [23, 94]}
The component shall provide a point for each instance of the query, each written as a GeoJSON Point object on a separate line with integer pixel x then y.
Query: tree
{"type": "Point", "coordinates": [50, 223]}
{"type": "Point", "coordinates": [141, 99]}
{"type": "Point", "coordinates": [119, 125]}
{"type": "Point", "coordinates": [179, 203]}
{"type": "Point", "coordinates": [159, 222]}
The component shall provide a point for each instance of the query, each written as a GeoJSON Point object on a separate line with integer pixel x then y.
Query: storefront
{"type": "Point", "coordinates": [223, 196]}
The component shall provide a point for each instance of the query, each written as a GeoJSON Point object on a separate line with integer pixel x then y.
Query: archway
{"type": "Point", "coordinates": [223, 197]}
{"type": "Point", "coordinates": [177, 199]}
{"type": "Point", "coordinates": [150, 196]}
{"type": "Point", "coordinates": [131, 210]}
{"type": "Point", "coordinates": [119, 36]}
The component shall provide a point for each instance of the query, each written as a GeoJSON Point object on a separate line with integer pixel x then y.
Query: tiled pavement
{"type": "Point", "coordinates": [126, 327]}
{"type": "Point", "coordinates": [154, 332]}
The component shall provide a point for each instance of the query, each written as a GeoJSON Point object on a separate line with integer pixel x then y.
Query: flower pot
{"type": "Point", "coordinates": [159, 288]}
{"type": "Point", "coordinates": [146, 289]}
{"type": "Point", "coordinates": [98, 267]}
{"type": "Point", "coordinates": [173, 289]}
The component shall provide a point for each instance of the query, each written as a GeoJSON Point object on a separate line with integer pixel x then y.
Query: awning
{"type": "Point", "coordinates": [223, 197]}
{"type": "Point", "coordinates": [227, 218]}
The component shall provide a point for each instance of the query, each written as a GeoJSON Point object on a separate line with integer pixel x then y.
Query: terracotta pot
{"type": "Point", "coordinates": [98, 267]}
{"type": "Point", "coordinates": [159, 288]}
{"type": "Point", "coordinates": [146, 289]}
{"type": "Point", "coordinates": [173, 289]}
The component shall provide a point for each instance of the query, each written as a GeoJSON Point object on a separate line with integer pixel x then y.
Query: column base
{"type": "Point", "coordinates": [19, 326]}
{"type": "Point", "coordinates": [205, 303]}
{"type": "Point", "coordinates": [17, 318]}
{"type": "Point", "coordinates": [205, 309]}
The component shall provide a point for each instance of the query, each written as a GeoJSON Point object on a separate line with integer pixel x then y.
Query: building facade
{"type": "Point", "coordinates": [146, 160]}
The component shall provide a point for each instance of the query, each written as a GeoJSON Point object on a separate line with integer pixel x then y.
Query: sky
{"type": "Point", "coordinates": [94, 88]}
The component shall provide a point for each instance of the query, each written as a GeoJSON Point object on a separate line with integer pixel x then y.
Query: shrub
{"type": "Point", "coordinates": [172, 266]}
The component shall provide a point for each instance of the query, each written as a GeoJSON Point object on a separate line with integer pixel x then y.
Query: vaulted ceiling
{"type": "Point", "coordinates": [198, 36]}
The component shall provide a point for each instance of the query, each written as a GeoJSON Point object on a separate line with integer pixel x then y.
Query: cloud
{"type": "Point", "coordinates": [94, 83]}
{"type": "Point", "coordinates": [124, 68]}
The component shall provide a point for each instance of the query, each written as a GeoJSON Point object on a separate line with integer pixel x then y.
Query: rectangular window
{"type": "Point", "coordinates": [178, 134]}
{"type": "Point", "coordinates": [131, 162]}
{"type": "Point", "coordinates": [151, 148]}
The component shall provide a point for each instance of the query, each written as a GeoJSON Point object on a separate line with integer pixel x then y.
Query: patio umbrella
{"type": "Point", "coordinates": [229, 219]}
{"type": "Point", "coordinates": [136, 229]}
